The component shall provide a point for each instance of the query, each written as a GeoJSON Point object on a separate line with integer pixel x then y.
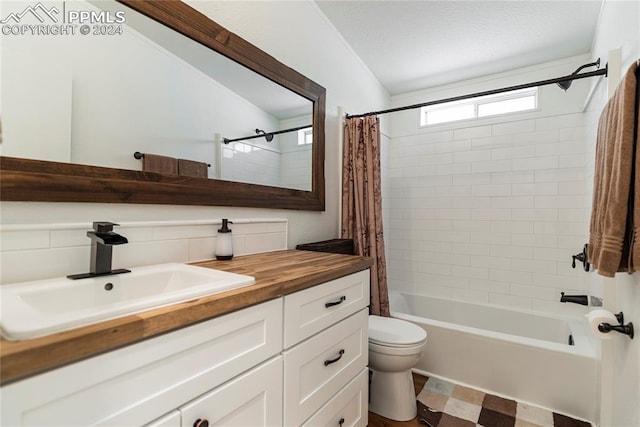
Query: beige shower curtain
{"type": "Point", "coordinates": [362, 202]}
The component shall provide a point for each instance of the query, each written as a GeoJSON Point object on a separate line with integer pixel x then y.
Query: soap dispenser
{"type": "Point", "coordinates": [224, 241]}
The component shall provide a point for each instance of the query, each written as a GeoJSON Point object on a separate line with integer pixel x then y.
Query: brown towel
{"type": "Point", "coordinates": [192, 168]}
{"type": "Point", "coordinates": [615, 212]}
{"type": "Point", "coordinates": [634, 231]}
{"type": "Point", "coordinates": [159, 164]}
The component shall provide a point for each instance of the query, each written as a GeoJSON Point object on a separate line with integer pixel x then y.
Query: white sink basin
{"type": "Point", "coordinates": [34, 309]}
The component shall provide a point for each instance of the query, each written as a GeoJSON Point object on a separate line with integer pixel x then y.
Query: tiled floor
{"type": "Point", "coordinates": [444, 404]}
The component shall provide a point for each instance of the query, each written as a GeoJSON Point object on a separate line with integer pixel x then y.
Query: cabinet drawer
{"type": "Point", "coordinates": [318, 368]}
{"type": "Point", "coordinates": [136, 384]}
{"type": "Point", "coordinates": [312, 310]}
{"type": "Point", "coordinates": [350, 406]}
{"type": "Point", "coordinates": [252, 399]}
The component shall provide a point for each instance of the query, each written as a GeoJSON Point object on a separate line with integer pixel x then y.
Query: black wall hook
{"type": "Point", "coordinates": [623, 329]}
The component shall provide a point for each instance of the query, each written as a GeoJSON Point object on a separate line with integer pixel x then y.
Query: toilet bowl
{"type": "Point", "coordinates": [395, 346]}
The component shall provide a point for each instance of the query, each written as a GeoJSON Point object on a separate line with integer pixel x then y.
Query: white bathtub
{"type": "Point", "coordinates": [518, 354]}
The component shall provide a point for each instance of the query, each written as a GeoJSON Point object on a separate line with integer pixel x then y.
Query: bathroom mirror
{"type": "Point", "coordinates": [56, 179]}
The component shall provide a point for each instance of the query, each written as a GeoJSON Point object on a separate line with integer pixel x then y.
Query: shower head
{"type": "Point", "coordinates": [267, 136]}
{"type": "Point", "coordinates": [564, 85]}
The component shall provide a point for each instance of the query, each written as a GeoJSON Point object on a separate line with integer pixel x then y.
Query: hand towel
{"type": "Point", "coordinates": [192, 168]}
{"type": "Point", "coordinates": [615, 198]}
{"type": "Point", "coordinates": [159, 164]}
{"type": "Point", "coordinates": [634, 255]}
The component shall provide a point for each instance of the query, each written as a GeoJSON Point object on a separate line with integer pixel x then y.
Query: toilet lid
{"type": "Point", "coordinates": [394, 332]}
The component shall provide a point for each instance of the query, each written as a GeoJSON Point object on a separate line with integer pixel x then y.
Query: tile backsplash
{"type": "Point", "coordinates": [40, 251]}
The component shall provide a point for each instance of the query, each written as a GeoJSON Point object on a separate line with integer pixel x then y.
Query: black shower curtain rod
{"type": "Point", "coordinates": [570, 77]}
{"type": "Point", "coordinates": [264, 134]}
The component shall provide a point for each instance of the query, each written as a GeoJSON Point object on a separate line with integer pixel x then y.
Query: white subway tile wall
{"type": "Point", "coordinates": [62, 249]}
{"type": "Point", "coordinates": [294, 169]}
{"type": "Point", "coordinates": [248, 162]}
{"type": "Point", "coordinates": [491, 213]}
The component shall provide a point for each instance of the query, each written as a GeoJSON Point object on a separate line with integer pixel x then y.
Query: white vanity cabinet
{"type": "Point", "coordinates": [326, 353]}
{"type": "Point", "coordinates": [294, 360]}
{"type": "Point", "coordinates": [137, 384]}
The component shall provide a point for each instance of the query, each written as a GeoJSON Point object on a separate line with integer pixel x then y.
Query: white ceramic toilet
{"type": "Point", "coordinates": [395, 346]}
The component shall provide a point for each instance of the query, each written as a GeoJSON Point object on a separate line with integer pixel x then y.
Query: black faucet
{"type": "Point", "coordinates": [103, 238]}
{"type": "Point", "coordinates": [581, 299]}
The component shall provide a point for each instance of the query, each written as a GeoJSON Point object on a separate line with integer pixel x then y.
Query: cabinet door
{"type": "Point", "coordinates": [252, 399]}
{"type": "Point", "coordinates": [316, 369]}
{"type": "Point", "coordinates": [348, 408]}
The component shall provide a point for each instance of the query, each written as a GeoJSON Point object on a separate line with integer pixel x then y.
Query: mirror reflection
{"type": "Point", "coordinates": [100, 98]}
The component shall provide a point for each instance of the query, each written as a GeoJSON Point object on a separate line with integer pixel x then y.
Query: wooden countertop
{"type": "Point", "coordinates": [276, 273]}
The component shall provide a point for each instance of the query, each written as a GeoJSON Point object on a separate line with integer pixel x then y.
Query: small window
{"type": "Point", "coordinates": [305, 136]}
{"type": "Point", "coordinates": [243, 148]}
{"type": "Point", "coordinates": [450, 113]}
{"type": "Point", "coordinates": [485, 106]}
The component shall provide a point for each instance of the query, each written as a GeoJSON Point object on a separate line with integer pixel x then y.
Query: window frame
{"type": "Point", "coordinates": [479, 101]}
{"type": "Point", "coordinates": [303, 137]}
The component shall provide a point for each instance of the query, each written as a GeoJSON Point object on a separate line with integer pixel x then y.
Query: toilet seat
{"type": "Point", "coordinates": [390, 332]}
{"type": "Point", "coordinates": [395, 351]}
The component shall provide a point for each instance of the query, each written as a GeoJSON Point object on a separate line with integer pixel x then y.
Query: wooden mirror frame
{"type": "Point", "coordinates": [38, 180]}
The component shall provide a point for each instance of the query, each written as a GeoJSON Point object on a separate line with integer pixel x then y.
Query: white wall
{"type": "Point", "coordinates": [317, 51]}
{"type": "Point", "coordinates": [491, 211]}
{"type": "Point", "coordinates": [157, 104]}
{"type": "Point", "coordinates": [46, 94]}
{"type": "Point", "coordinates": [617, 30]}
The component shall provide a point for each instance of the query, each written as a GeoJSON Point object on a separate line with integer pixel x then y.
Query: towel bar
{"type": "Point", "coordinates": [138, 155]}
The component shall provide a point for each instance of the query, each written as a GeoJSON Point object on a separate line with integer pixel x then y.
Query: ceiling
{"type": "Point", "coordinates": [411, 45]}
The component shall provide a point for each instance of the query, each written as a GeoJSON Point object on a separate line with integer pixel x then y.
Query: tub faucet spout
{"type": "Point", "coordinates": [576, 299]}
{"type": "Point", "coordinates": [581, 299]}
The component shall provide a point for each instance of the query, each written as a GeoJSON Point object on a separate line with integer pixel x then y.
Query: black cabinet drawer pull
{"type": "Point", "coordinates": [329, 362]}
{"type": "Point", "coordinates": [201, 423]}
{"type": "Point", "coordinates": [332, 303]}
{"type": "Point", "coordinates": [341, 422]}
